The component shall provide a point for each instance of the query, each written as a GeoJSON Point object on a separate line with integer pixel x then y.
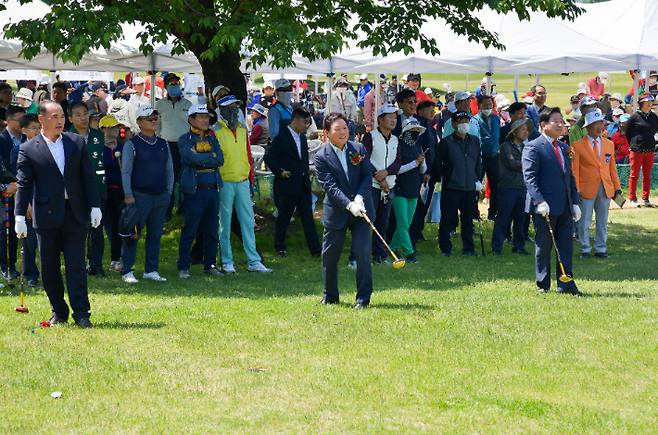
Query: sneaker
{"type": "Point", "coordinates": [116, 266]}
{"type": "Point", "coordinates": [352, 264]}
{"type": "Point", "coordinates": [213, 271]}
{"type": "Point", "coordinates": [129, 278]}
{"type": "Point", "coordinates": [154, 276]}
{"type": "Point", "coordinates": [634, 203]}
{"type": "Point", "coordinates": [228, 268]}
{"type": "Point", "coordinates": [184, 274]}
{"type": "Point", "coordinates": [646, 203]}
{"type": "Point", "coordinates": [258, 267]}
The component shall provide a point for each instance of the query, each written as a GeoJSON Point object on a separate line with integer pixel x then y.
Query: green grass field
{"type": "Point", "coordinates": [457, 345]}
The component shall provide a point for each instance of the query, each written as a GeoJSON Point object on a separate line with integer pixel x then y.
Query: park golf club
{"type": "Point", "coordinates": [564, 277]}
{"type": "Point", "coordinates": [398, 263]}
{"type": "Point", "coordinates": [21, 308]}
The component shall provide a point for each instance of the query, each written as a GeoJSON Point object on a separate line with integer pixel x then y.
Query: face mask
{"type": "Point", "coordinates": [284, 97]}
{"type": "Point", "coordinates": [125, 97]}
{"type": "Point", "coordinates": [486, 112]}
{"type": "Point", "coordinates": [451, 107]}
{"type": "Point", "coordinates": [174, 91]}
{"type": "Point", "coordinates": [463, 128]}
{"type": "Point", "coordinates": [230, 115]}
{"type": "Point", "coordinates": [414, 135]}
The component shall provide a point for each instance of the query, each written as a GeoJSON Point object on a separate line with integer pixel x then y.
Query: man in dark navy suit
{"type": "Point", "coordinates": [346, 175]}
{"type": "Point", "coordinates": [287, 158]}
{"type": "Point", "coordinates": [55, 176]}
{"type": "Point", "coordinates": [551, 192]}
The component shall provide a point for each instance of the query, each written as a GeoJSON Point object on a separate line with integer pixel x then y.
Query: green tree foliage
{"type": "Point", "coordinates": [219, 32]}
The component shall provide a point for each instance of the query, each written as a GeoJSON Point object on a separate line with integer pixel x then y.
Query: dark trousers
{"type": "Point", "coordinates": [113, 208]}
{"type": "Point", "coordinates": [96, 243]}
{"type": "Point", "coordinates": [201, 211]}
{"type": "Point", "coordinates": [30, 243]}
{"type": "Point", "coordinates": [451, 202]}
{"type": "Point", "coordinates": [69, 240]}
{"type": "Point", "coordinates": [286, 205]}
{"type": "Point", "coordinates": [563, 230]}
{"type": "Point", "coordinates": [490, 167]}
{"type": "Point", "coordinates": [382, 212]}
{"type": "Point", "coordinates": [175, 159]}
{"type": "Point", "coordinates": [418, 223]}
{"type": "Point", "coordinates": [332, 247]}
{"type": "Point", "coordinates": [9, 246]}
{"type": "Point", "coordinates": [152, 213]}
{"type": "Point", "coordinates": [511, 203]}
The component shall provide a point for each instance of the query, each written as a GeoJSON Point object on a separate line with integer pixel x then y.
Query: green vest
{"type": "Point", "coordinates": [95, 146]}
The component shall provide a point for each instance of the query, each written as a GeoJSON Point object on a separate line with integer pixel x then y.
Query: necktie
{"type": "Point", "coordinates": [558, 155]}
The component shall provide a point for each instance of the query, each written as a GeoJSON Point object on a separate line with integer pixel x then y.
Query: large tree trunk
{"type": "Point", "coordinates": [224, 69]}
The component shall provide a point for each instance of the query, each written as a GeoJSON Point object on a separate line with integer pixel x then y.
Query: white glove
{"type": "Point", "coordinates": [96, 217]}
{"type": "Point", "coordinates": [576, 212]}
{"type": "Point", "coordinates": [356, 209]}
{"type": "Point", "coordinates": [20, 227]}
{"type": "Point", "coordinates": [359, 200]}
{"type": "Point", "coordinates": [543, 208]}
{"type": "Point", "coordinates": [479, 186]}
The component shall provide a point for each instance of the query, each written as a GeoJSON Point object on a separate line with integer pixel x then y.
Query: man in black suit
{"type": "Point", "coordinates": [287, 158]}
{"type": "Point", "coordinates": [55, 176]}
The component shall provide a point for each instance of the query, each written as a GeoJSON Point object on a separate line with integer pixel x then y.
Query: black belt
{"type": "Point", "coordinates": [207, 186]}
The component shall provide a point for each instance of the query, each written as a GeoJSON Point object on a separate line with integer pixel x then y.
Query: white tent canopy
{"type": "Point", "coordinates": [540, 45]}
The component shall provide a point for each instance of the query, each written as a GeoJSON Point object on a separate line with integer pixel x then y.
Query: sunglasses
{"type": "Point", "coordinates": [152, 118]}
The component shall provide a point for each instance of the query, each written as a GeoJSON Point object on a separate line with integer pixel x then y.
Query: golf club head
{"type": "Point", "coordinates": [399, 264]}
{"type": "Point", "coordinates": [566, 278]}
{"type": "Point", "coordinates": [22, 309]}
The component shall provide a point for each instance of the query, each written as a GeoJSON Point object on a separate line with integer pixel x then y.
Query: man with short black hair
{"type": "Point", "coordinates": [516, 110]}
{"type": "Point", "coordinates": [6, 96]}
{"type": "Point", "coordinates": [539, 102]}
{"type": "Point", "coordinates": [552, 199]}
{"type": "Point", "coordinates": [287, 158]}
{"type": "Point", "coordinates": [55, 176]}
{"type": "Point", "coordinates": [406, 100]}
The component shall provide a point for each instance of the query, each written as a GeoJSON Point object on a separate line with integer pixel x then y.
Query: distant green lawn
{"type": "Point", "coordinates": [449, 345]}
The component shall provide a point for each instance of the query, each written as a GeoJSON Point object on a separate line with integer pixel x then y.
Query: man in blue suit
{"type": "Point", "coordinates": [551, 193]}
{"type": "Point", "coordinates": [345, 173]}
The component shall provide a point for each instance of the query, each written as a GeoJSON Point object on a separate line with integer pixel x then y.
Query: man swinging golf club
{"type": "Point", "coordinates": [346, 175]}
{"type": "Point", "coordinates": [552, 199]}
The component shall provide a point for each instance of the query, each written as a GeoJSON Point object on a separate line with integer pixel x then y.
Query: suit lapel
{"type": "Point", "coordinates": [333, 159]}
{"type": "Point", "coordinates": [45, 152]}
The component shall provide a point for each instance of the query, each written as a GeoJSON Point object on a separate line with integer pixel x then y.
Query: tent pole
{"type": "Point", "coordinates": [537, 78]}
{"type": "Point", "coordinates": [488, 84]}
{"type": "Point", "coordinates": [466, 82]}
{"type": "Point", "coordinates": [636, 89]}
{"type": "Point", "coordinates": [152, 80]}
{"type": "Point", "coordinates": [376, 89]}
{"type": "Point", "coordinates": [516, 88]}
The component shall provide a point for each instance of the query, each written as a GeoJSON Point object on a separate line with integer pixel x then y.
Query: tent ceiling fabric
{"type": "Point", "coordinates": [587, 44]}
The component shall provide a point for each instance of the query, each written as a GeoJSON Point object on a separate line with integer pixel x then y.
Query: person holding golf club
{"type": "Point", "coordinates": [345, 173]}
{"type": "Point", "coordinates": [596, 176]}
{"type": "Point", "coordinates": [552, 200]}
{"type": "Point", "coordinates": [56, 177]}
{"type": "Point", "coordinates": [461, 169]}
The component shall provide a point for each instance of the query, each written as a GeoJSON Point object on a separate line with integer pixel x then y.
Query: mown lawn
{"type": "Point", "coordinates": [456, 345]}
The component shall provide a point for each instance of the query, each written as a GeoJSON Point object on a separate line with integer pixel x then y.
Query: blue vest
{"type": "Point", "coordinates": [150, 166]}
{"type": "Point", "coordinates": [285, 116]}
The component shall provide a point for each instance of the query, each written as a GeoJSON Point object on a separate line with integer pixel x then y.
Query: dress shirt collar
{"type": "Point", "coordinates": [50, 143]}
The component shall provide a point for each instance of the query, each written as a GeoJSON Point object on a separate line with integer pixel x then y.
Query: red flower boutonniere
{"type": "Point", "coordinates": [357, 158]}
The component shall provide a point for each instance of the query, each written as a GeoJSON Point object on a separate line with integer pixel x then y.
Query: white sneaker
{"type": "Point", "coordinates": [129, 278]}
{"type": "Point", "coordinates": [258, 267]}
{"type": "Point", "coordinates": [228, 268]}
{"type": "Point", "coordinates": [116, 266]}
{"type": "Point", "coordinates": [352, 264]}
{"type": "Point", "coordinates": [184, 274]}
{"type": "Point", "coordinates": [154, 276]}
{"type": "Point", "coordinates": [634, 203]}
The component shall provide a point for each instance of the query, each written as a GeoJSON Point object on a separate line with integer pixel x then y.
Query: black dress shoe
{"type": "Point", "coordinates": [84, 322]}
{"type": "Point", "coordinates": [520, 251]}
{"type": "Point", "coordinates": [282, 253]}
{"type": "Point", "coordinates": [54, 320]}
{"type": "Point", "coordinates": [496, 253]}
{"type": "Point", "coordinates": [601, 255]}
{"type": "Point", "coordinates": [468, 254]}
{"type": "Point", "coordinates": [585, 255]}
{"type": "Point", "coordinates": [570, 291]}
{"type": "Point", "coordinates": [361, 305]}
{"type": "Point", "coordinates": [327, 301]}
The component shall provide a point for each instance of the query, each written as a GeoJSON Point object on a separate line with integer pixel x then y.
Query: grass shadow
{"type": "Point", "coordinates": [129, 325]}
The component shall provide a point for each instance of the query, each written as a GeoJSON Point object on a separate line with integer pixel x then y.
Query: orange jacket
{"type": "Point", "coordinates": [590, 170]}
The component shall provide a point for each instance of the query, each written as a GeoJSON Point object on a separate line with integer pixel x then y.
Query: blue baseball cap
{"type": "Point", "coordinates": [228, 100]}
